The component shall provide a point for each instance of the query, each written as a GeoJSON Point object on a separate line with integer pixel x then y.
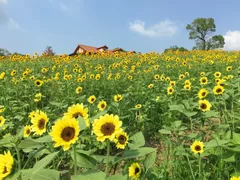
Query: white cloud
{"type": "Point", "coordinates": [64, 7]}
{"type": "Point", "coordinates": [232, 40]}
{"type": "Point", "coordinates": [161, 29]}
{"type": "Point", "coordinates": [3, 1]}
{"type": "Point", "coordinates": [5, 19]}
{"type": "Point", "coordinates": [13, 24]}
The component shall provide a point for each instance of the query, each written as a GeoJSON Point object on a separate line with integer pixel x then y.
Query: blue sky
{"type": "Point", "coordinates": [28, 26]}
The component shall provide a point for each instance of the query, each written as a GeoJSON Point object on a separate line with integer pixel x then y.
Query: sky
{"type": "Point", "coordinates": [28, 26]}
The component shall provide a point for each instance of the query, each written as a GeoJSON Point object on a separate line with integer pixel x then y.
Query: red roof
{"type": "Point", "coordinates": [89, 48]}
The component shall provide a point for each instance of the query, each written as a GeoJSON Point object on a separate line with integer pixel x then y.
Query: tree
{"type": "Point", "coordinates": [175, 48]}
{"type": "Point", "coordinates": [49, 51]}
{"type": "Point", "coordinates": [4, 52]}
{"type": "Point", "coordinates": [200, 30]}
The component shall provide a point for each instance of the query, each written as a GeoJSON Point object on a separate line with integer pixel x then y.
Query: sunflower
{"type": "Point", "coordinates": [78, 90]}
{"type": "Point", "coordinates": [150, 86]}
{"type": "Point", "coordinates": [98, 76]}
{"type": "Point", "coordinates": [117, 97]}
{"type": "Point", "coordinates": [172, 83]}
{"type": "Point", "coordinates": [235, 178]}
{"type": "Point", "coordinates": [202, 74]}
{"type": "Point", "coordinates": [187, 82]}
{"type": "Point", "coordinates": [2, 121]}
{"type": "Point", "coordinates": [197, 147]}
{"type": "Point", "coordinates": [204, 105]}
{"type": "Point", "coordinates": [102, 105]}
{"type": "Point", "coordinates": [156, 77]}
{"type": "Point", "coordinates": [107, 127]}
{"type": "Point", "coordinates": [121, 140]}
{"type": "Point", "coordinates": [187, 87]}
{"type": "Point", "coordinates": [13, 72]}
{"type": "Point", "coordinates": [170, 90]}
{"type": "Point", "coordinates": [217, 74]}
{"type": "Point", "coordinates": [32, 114]}
{"type": "Point", "coordinates": [39, 123]}
{"type": "Point", "coordinates": [229, 76]}
{"type": "Point", "coordinates": [167, 79]}
{"type": "Point", "coordinates": [218, 90]}
{"type": "Point", "coordinates": [77, 110]}
{"type": "Point", "coordinates": [92, 99]}
{"type": "Point", "coordinates": [202, 93]}
{"type": "Point", "coordinates": [2, 109]}
{"type": "Point", "coordinates": [134, 171]}
{"type": "Point", "coordinates": [138, 106]}
{"type": "Point", "coordinates": [6, 163]}
{"type": "Point", "coordinates": [38, 97]}
{"type": "Point", "coordinates": [130, 77]}
{"type": "Point", "coordinates": [27, 131]}
{"type": "Point", "coordinates": [229, 68]}
{"type": "Point", "coordinates": [181, 76]}
{"type": "Point", "coordinates": [221, 82]}
{"type": "Point", "coordinates": [38, 83]}
{"type": "Point", "coordinates": [65, 132]}
{"type": "Point", "coordinates": [203, 80]}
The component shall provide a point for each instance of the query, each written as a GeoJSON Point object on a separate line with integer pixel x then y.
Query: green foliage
{"type": "Point", "coordinates": [4, 52]}
{"type": "Point", "coordinates": [175, 48]}
{"type": "Point", "coordinates": [200, 30]}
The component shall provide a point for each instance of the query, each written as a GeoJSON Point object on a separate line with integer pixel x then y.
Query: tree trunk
{"type": "Point", "coordinates": [204, 45]}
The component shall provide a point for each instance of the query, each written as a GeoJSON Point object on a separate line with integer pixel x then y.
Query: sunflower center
{"type": "Point", "coordinates": [122, 139]}
{"type": "Point", "coordinates": [92, 99]}
{"type": "Point", "coordinates": [107, 129]}
{"type": "Point", "coordinates": [203, 106]}
{"type": "Point", "coordinates": [38, 83]}
{"type": "Point", "coordinates": [41, 124]}
{"type": "Point", "coordinates": [28, 131]}
{"type": "Point", "coordinates": [102, 105]}
{"type": "Point", "coordinates": [170, 90]}
{"type": "Point", "coordinates": [77, 114]}
{"type": "Point", "coordinates": [198, 148]}
{"type": "Point", "coordinates": [137, 170]}
{"type": "Point", "coordinates": [219, 90]}
{"type": "Point", "coordinates": [68, 134]}
{"type": "Point", "coordinates": [4, 170]}
{"type": "Point", "coordinates": [204, 94]}
{"type": "Point", "coordinates": [204, 80]}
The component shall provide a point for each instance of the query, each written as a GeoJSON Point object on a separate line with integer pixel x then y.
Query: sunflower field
{"type": "Point", "coordinates": [120, 116]}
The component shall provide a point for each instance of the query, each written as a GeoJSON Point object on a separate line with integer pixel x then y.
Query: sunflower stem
{"type": "Point", "coordinates": [199, 165]}
{"type": "Point", "coordinates": [108, 153]}
{"type": "Point", "coordinates": [18, 161]}
{"type": "Point", "coordinates": [75, 159]}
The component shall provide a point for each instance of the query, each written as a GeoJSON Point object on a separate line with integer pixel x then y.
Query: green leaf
{"type": "Point", "coordinates": [97, 116]}
{"type": "Point", "coordinates": [43, 162]}
{"type": "Point", "coordinates": [81, 123]}
{"type": "Point", "coordinates": [215, 143]}
{"type": "Point", "coordinates": [150, 160]}
{"type": "Point", "coordinates": [189, 114]}
{"type": "Point", "coordinates": [165, 131]}
{"type": "Point", "coordinates": [43, 139]}
{"type": "Point", "coordinates": [29, 144]}
{"type": "Point", "coordinates": [136, 141]}
{"type": "Point", "coordinates": [209, 114]}
{"type": "Point", "coordinates": [178, 107]}
{"type": "Point", "coordinates": [43, 174]}
{"type": "Point", "coordinates": [138, 153]}
{"type": "Point", "coordinates": [84, 160]}
{"type": "Point", "coordinates": [236, 138]}
{"type": "Point", "coordinates": [177, 124]}
{"type": "Point", "coordinates": [229, 157]}
{"type": "Point", "coordinates": [118, 177]}
{"type": "Point", "coordinates": [90, 176]}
